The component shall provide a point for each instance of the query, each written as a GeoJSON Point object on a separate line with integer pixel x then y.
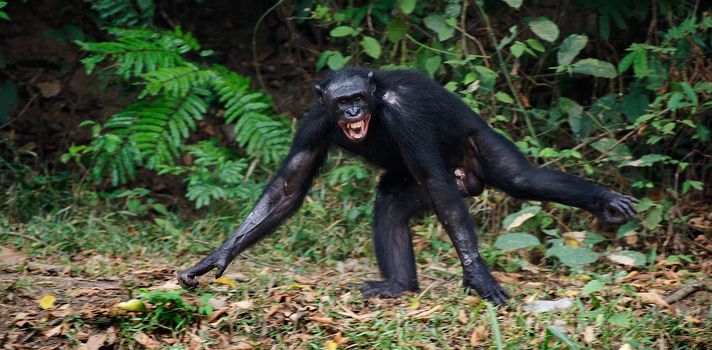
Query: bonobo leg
{"type": "Point", "coordinates": [398, 198]}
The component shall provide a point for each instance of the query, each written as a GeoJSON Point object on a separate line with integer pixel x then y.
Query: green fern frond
{"type": "Point", "coordinates": [262, 135]}
{"type": "Point", "coordinates": [124, 13]}
{"type": "Point", "coordinates": [136, 51]}
{"type": "Point", "coordinates": [176, 81]}
{"type": "Point", "coordinates": [156, 129]}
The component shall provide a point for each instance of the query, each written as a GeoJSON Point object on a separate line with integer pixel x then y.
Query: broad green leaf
{"type": "Point", "coordinates": [337, 60]}
{"type": "Point", "coordinates": [438, 24]}
{"type": "Point", "coordinates": [504, 97]}
{"type": "Point", "coordinates": [621, 319]}
{"type": "Point", "coordinates": [517, 49]}
{"type": "Point", "coordinates": [573, 256]}
{"type": "Point", "coordinates": [432, 64]}
{"type": "Point", "coordinates": [597, 68]}
{"type": "Point", "coordinates": [545, 29]}
{"type": "Point", "coordinates": [536, 45]}
{"type": "Point", "coordinates": [592, 287]}
{"type": "Point", "coordinates": [371, 46]}
{"type": "Point", "coordinates": [407, 6]}
{"type": "Point", "coordinates": [396, 29]}
{"type": "Point", "coordinates": [518, 240]}
{"type": "Point", "coordinates": [341, 31]}
{"type": "Point", "coordinates": [517, 219]}
{"type": "Point", "coordinates": [570, 48]}
{"type": "Point", "coordinates": [514, 3]}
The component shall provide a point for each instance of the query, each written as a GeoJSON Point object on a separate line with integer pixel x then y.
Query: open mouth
{"type": "Point", "coordinates": [355, 130]}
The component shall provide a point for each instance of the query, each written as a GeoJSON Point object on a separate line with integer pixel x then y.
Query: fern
{"type": "Point", "coordinates": [174, 94]}
{"type": "Point", "coordinates": [263, 136]}
{"type": "Point", "coordinates": [125, 13]}
{"type": "Point", "coordinates": [137, 51]}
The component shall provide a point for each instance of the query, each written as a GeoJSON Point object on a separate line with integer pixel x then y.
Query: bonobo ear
{"type": "Point", "coordinates": [319, 92]}
{"type": "Point", "coordinates": [372, 82]}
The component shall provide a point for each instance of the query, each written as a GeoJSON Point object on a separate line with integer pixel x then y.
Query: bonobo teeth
{"type": "Point", "coordinates": [356, 125]}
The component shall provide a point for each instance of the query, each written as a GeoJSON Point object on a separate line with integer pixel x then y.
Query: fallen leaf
{"type": "Point", "coordinates": [622, 259]}
{"type": "Point", "coordinates": [226, 281]}
{"type": "Point", "coordinates": [477, 336]}
{"type": "Point", "coordinates": [11, 257]}
{"type": "Point", "coordinates": [146, 341]}
{"type": "Point", "coordinates": [625, 346]}
{"type": "Point", "coordinates": [46, 301]}
{"type": "Point", "coordinates": [167, 285]}
{"type": "Point", "coordinates": [362, 317]}
{"type": "Point", "coordinates": [243, 304]}
{"type": "Point", "coordinates": [414, 304]}
{"type": "Point", "coordinates": [654, 298]}
{"type": "Point", "coordinates": [330, 345]}
{"type": "Point", "coordinates": [588, 335]}
{"type": "Point", "coordinates": [429, 312]}
{"type": "Point", "coordinates": [95, 341]}
{"type": "Point", "coordinates": [321, 319]}
{"type": "Point", "coordinates": [51, 332]}
{"type": "Point", "coordinates": [539, 306]}
{"type": "Point", "coordinates": [462, 317]}
{"type": "Point", "coordinates": [50, 88]}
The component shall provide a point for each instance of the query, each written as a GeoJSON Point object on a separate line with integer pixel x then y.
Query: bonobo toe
{"type": "Point", "coordinates": [383, 289]}
{"type": "Point", "coordinates": [493, 293]}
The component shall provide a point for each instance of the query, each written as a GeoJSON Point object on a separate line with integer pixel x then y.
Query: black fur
{"type": "Point", "coordinates": [434, 151]}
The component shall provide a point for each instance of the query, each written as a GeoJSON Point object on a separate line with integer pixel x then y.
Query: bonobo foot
{"type": "Point", "coordinates": [477, 277]}
{"type": "Point", "coordinates": [384, 289]}
{"type": "Point", "coordinates": [218, 259]}
{"type": "Point", "coordinates": [615, 209]}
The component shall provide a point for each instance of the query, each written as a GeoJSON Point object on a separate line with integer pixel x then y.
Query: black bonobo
{"type": "Point", "coordinates": [434, 151]}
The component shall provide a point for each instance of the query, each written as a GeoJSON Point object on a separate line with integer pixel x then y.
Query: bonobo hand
{"type": "Point", "coordinates": [218, 259]}
{"type": "Point", "coordinates": [615, 209]}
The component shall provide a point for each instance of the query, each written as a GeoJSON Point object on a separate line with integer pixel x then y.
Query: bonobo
{"type": "Point", "coordinates": [434, 151]}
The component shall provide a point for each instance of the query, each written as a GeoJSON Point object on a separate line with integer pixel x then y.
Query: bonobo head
{"type": "Point", "coordinates": [347, 96]}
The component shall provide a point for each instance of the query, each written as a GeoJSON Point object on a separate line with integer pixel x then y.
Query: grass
{"type": "Point", "coordinates": [291, 290]}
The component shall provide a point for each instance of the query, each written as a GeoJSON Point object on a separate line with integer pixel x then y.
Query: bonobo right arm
{"type": "Point", "coordinates": [282, 197]}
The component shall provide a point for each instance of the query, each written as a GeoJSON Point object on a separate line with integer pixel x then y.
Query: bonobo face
{"type": "Point", "coordinates": [349, 101]}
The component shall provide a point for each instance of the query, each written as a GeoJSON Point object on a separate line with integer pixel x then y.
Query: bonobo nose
{"type": "Point", "coordinates": [353, 112]}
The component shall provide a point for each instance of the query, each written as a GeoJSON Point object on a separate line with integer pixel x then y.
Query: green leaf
{"type": "Point", "coordinates": [504, 98]}
{"type": "Point", "coordinates": [337, 61]}
{"type": "Point", "coordinates": [621, 319]}
{"type": "Point", "coordinates": [517, 49]}
{"type": "Point", "coordinates": [596, 68]}
{"type": "Point", "coordinates": [407, 6]}
{"type": "Point", "coordinates": [341, 31]}
{"type": "Point", "coordinates": [556, 331]}
{"type": "Point", "coordinates": [536, 45]}
{"type": "Point", "coordinates": [518, 240]}
{"type": "Point", "coordinates": [517, 219]}
{"type": "Point", "coordinates": [396, 29]}
{"type": "Point", "coordinates": [592, 287]}
{"type": "Point", "coordinates": [438, 24]}
{"type": "Point", "coordinates": [570, 48]}
{"type": "Point", "coordinates": [514, 3]}
{"type": "Point", "coordinates": [545, 29]}
{"type": "Point", "coordinates": [573, 256]}
{"type": "Point", "coordinates": [432, 64]}
{"type": "Point", "coordinates": [371, 46]}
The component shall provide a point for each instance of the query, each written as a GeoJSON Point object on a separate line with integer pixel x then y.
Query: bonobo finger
{"type": "Point", "coordinates": [221, 269]}
{"type": "Point", "coordinates": [629, 209]}
{"type": "Point", "coordinates": [187, 280]}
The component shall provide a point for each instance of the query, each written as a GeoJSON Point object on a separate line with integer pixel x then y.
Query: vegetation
{"type": "Point", "coordinates": [620, 94]}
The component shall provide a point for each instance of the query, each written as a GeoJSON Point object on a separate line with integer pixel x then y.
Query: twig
{"type": "Point", "coordinates": [254, 43]}
{"type": "Point", "coordinates": [26, 237]}
{"type": "Point", "coordinates": [683, 292]}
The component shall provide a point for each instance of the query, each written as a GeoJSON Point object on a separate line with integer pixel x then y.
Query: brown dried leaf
{"type": "Point", "coordinates": [462, 317]}
{"type": "Point", "coordinates": [96, 341]}
{"type": "Point", "coordinates": [11, 257]}
{"type": "Point", "coordinates": [588, 335]}
{"type": "Point", "coordinates": [427, 313]}
{"type": "Point", "coordinates": [477, 336]}
{"type": "Point", "coordinates": [654, 298]}
{"type": "Point", "coordinates": [50, 88]}
{"type": "Point", "coordinates": [146, 341]}
{"type": "Point", "coordinates": [51, 332]}
{"type": "Point", "coordinates": [321, 319]}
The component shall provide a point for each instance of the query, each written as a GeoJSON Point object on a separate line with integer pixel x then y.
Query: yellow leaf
{"type": "Point", "coordinates": [226, 281]}
{"type": "Point", "coordinates": [572, 242]}
{"type": "Point", "coordinates": [414, 304]}
{"type": "Point", "coordinates": [47, 301]}
{"type": "Point", "coordinates": [330, 345]}
{"type": "Point", "coordinates": [132, 305]}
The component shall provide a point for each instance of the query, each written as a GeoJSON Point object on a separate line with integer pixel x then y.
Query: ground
{"type": "Point", "coordinates": [262, 305]}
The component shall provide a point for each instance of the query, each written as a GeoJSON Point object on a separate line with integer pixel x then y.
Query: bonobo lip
{"type": "Point", "coordinates": [355, 130]}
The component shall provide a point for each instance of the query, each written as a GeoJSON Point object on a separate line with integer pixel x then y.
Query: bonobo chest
{"type": "Point", "coordinates": [378, 147]}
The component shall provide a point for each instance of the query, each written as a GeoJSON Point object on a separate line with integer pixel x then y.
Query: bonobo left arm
{"type": "Point", "coordinates": [282, 197]}
{"type": "Point", "coordinates": [504, 167]}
